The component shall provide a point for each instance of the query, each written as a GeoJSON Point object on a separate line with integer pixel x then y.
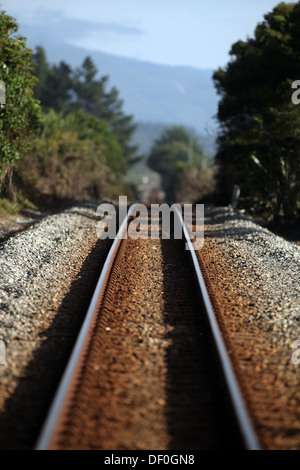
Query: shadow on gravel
{"type": "Point", "coordinates": [26, 409]}
{"type": "Point", "coordinates": [235, 233]}
{"type": "Point", "coordinates": [224, 218]}
{"type": "Point", "coordinates": [221, 215]}
{"type": "Point", "coordinates": [198, 411]}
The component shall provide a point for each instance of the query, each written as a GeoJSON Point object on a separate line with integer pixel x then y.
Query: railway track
{"type": "Point", "coordinates": [149, 370]}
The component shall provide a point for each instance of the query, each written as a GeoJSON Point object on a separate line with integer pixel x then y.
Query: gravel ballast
{"type": "Point", "coordinates": [255, 278]}
{"type": "Point", "coordinates": [48, 274]}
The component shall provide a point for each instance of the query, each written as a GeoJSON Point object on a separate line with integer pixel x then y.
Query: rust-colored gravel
{"type": "Point", "coordinates": [150, 380]}
{"type": "Point", "coordinates": [254, 277]}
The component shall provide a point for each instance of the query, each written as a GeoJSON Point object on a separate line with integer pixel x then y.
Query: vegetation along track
{"type": "Point", "coordinates": [149, 369]}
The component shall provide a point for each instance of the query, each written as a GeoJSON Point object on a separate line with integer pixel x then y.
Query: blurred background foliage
{"type": "Point", "coordinates": [259, 139]}
{"type": "Point", "coordinates": [186, 173]}
{"type": "Point", "coordinates": [65, 136]}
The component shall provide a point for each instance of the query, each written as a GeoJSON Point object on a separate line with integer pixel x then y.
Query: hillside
{"type": "Point", "coordinates": [151, 92]}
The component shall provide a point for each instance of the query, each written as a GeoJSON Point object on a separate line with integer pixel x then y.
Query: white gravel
{"type": "Point", "coordinates": [256, 276]}
{"type": "Point", "coordinates": [45, 285]}
{"type": "Point", "coordinates": [274, 264]}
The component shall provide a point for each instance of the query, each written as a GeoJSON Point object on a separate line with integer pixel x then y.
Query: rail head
{"type": "Point", "coordinates": [46, 437]}
{"type": "Point", "coordinates": [242, 415]}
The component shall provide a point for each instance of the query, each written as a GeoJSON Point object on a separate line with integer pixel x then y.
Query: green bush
{"type": "Point", "coordinates": [74, 157]}
{"type": "Point", "coordinates": [19, 116]}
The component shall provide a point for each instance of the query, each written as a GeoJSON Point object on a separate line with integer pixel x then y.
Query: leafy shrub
{"type": "Point", "coordinates": [19, 116]}
{"type": "Point", "coordinates": [74, 157]}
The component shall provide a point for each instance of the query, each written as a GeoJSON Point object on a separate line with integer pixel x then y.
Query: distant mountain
{"type": "Point", "coordinates": [151, 92]}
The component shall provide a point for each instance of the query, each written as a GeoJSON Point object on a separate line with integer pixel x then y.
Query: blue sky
{"type": "Point", "coordinates": [196, 33]}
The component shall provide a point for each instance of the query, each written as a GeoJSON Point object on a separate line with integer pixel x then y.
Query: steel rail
{"type": "Point", "coordinates": [244, 422]}
{"type": "Point", "coordinates": [45, 438]}
{"type": "Point", "coordinates": [245, 426]}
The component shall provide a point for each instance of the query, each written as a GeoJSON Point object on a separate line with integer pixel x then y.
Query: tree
{"type": "Point", "coordinates": [172, 154]}
{"type": "Point", "coordinates": [66, 90]}
{"type": "Point", "coordinates": [91, 96]}
{"type": "Point", "coordinates": [88, 90]}
{"type": "Point", "coordinates": [19, 117]}
{"type": "Point", "coordinates": [54, 88]}
{"type": "Point", "coordinates": [259, 141]}
{"type": "Point", "coordinates": [41, 71]}
{"type": "Point", "coordinates": [120, 124]}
